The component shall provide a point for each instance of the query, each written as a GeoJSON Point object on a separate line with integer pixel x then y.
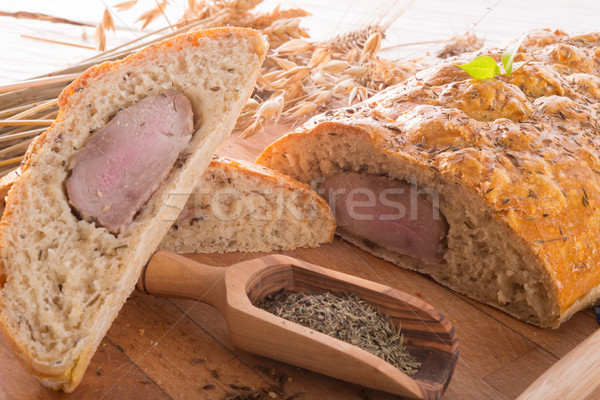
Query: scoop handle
{"type": "Point", "coordinates": [171, 275]}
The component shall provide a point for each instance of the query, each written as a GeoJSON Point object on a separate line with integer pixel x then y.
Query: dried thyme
{"type": "Point", "coordinates": [345, 317]}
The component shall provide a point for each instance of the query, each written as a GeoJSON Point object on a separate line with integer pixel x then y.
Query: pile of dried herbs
{"type": "Point", "coordinates": [346, 317]}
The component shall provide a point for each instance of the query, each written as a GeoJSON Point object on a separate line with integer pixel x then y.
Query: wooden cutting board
{"type": "Point", "coordinates": [177, 349]}
{"type": "Point", "coordinates": [174, 349]}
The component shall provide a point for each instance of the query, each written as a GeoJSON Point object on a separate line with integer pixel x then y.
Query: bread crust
{"type": "Point", "coordinates": [141, 238]}
{"type": "Point", "coordinates": [525, 146]}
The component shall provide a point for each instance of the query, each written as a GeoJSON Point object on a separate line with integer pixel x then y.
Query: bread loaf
{"type": "Point", "coordinates": [63, 275]}
{"type": "Point", "coordinates": [511, 163]}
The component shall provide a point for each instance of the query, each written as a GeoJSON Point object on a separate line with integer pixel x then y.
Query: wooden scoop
{"type": "Point", "coordinates": [428, 335]}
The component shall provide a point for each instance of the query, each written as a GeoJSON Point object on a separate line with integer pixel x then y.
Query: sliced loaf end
{"type": "Point", "coordinates": [239, 206]}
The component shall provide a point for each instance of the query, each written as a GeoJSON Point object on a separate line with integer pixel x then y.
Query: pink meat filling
{"type": "Point", "coordinates": [388, 213]}
{"type": "Point", "coordinates": [128, 159]}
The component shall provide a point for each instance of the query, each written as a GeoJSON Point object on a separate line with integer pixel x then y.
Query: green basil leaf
{"type": "Point", "coordinates": [509, 55]}
{"type": "Point", "coordinates": [483, 67]}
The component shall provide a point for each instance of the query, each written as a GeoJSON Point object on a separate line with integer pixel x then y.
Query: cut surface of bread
{"type": "Point", "coordinates": [240, 206]}
{"type": "Point", "coordinates": [64, 279]}
{"type": "Point", "coordinates": [514, 163]}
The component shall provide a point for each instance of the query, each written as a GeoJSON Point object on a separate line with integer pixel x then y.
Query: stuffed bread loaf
{"type": "Point", "coordinates": [101, 187]}
{"type": "Point", "coordinates": [511, 164]}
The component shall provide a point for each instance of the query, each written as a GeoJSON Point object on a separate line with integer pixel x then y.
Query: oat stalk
{"type": "Point", "coordinates": [42, 17]}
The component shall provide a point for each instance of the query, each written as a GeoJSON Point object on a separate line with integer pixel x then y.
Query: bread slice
{"type": "Point", "coordinates": [240, 206]}
{"type": "Point", "coordinates": [514, 163]}
{"type": "Point", "coordinates": [63, 279]}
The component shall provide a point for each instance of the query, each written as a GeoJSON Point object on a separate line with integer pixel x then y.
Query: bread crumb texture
{"type": "Point", "coordinates": [515, 161]}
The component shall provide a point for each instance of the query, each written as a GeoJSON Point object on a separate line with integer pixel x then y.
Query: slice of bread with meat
{"type": "Point", "coordinates": [65, 267]}
{"type": "Point", "coordinates": [241, 206]}
{"type": "Point", "coordinates": [512, 164]}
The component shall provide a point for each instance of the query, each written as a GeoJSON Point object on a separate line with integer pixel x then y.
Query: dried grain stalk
{"type": "Point", "coordinates": [42, 17]}
{"type": "Point", "coordinates": [107, 20]}
{"type": "Point", "coordinates": [300, 77]}
{"type": "Point", "coordinates": [152, 14]}
{"type": "Point", "coordinates": [100, 37]}
{"type": "Point", "coordinates": [126, 5]}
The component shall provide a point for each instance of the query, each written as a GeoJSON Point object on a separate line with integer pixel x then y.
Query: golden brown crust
{"type": "Point", "coordinates": [528, 145]}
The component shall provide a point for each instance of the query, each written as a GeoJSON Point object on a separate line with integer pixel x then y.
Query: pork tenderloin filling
{"type": "Point", "coordinates": [392, 214]}
{"type": "Point", "coordinates": [127, 160]}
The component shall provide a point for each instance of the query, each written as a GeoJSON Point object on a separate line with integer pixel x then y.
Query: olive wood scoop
{"type": "Point", "coordinates": [428, 335]}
